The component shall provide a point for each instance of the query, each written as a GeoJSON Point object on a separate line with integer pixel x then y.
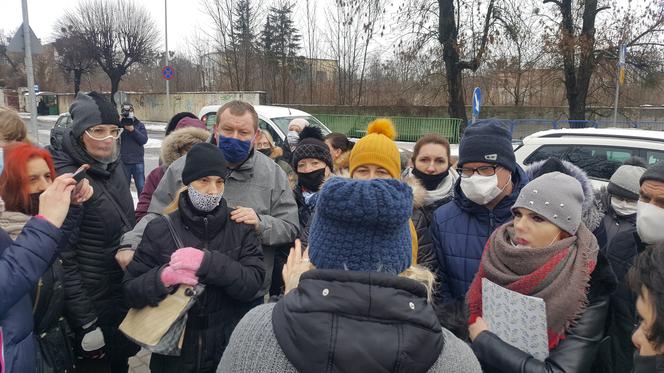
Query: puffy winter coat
{"type": "Point", "coordinates": [91, 270]}
{"type": "Point", "coordinates": [22, 262]}
{"type": "Point", "coordinates": [574, 354]}
{"type": "Point", "coordinates": [346, 321]}
{"type": "Point", "coordinates": [232, 269]}
{"type": "Point", "coordinates": [622, 246]}
{"type": "Point", "coordinates": [460, 230]}
{"type": "Point", "coordinates": [174, 146]}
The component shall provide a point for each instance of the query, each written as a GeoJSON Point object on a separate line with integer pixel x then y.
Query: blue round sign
{"type": "Point", "coordinates": [168, 72]}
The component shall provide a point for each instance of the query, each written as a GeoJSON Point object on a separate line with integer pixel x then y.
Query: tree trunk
{"type": "Point", "coordinates": [448, 39]}
{"type": "Point", "coordinates": [77, 81]}
{"type": "Point", "coordinates": [115, 85]}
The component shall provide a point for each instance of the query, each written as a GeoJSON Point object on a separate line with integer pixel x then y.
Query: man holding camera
{"type": "Point", "coordinates": [134, 138]}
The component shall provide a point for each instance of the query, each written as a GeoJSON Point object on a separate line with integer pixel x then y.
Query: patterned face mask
{"type": "Point", "coordinates": [203, 202]}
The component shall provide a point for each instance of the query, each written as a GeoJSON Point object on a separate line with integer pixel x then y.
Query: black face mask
{"type": "Point", "coordinates": [33, 205]}
{"type": "Point", "coordinates": [430, 182]}
{"type": "Point", "coordinates": [311, 181]}
{"type": "Point", "coordinates": [266, 151]}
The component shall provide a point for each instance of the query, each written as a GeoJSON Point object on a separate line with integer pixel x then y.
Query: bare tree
{"type": "Point", "coordinates": [120, 33]}
{"type": "Point", "coordinates": [344, 42]}
{"type": "Point", "coordinates": [73, 55]}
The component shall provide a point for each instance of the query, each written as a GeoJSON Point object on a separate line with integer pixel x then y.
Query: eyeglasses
{"type": "Point", "coordinates": [482, 171]}
{"type": "Point", "coordinates": [100, 134]}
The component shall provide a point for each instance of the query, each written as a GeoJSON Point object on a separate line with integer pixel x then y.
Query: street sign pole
{"type": "Point", "coordinates": [477, 99]}
{"type": "Point", "coordinates": [32, 98]}
{"type": "Point", "coordinates": [168, 96]}
{"type": "Point", "coordinates": [619, 80]}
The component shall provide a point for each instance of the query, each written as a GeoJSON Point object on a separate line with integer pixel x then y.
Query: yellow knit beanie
{"type": "Point", "coordinates": [377, 148]}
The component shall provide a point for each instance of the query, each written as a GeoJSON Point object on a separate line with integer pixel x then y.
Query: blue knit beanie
{"type": "Point", "coordinates": [362, 225]}
{"type": "Point", "coordinates": [488, 142]}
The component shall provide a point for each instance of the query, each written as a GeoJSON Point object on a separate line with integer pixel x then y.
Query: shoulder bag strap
{"type": "Point", "coordinates": [174, 233]}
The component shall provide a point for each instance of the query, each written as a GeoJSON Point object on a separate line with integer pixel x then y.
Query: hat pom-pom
{"type": "Point", "coordinates": [312, 132]}
{"type": "Point", "coordinates": [383, 126]}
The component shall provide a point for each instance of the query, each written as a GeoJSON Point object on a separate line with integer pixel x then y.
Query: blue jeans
{"type": "Point", "coordinates": [136, 170]}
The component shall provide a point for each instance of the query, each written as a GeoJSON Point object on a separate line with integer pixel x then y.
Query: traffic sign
{"type": "Point", "coordinates": [168, 72]}
{"type": "Point", "coordinates": [17, 43]}
{"type": "Point", "coordinates": [477, 99]}
{"type": "Point", "coordinates": [35, 88]}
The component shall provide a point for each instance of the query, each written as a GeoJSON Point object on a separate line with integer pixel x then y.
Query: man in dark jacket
{"type": "Point", "coordinates": [134, 137]}
{"type": "Point", "coordinates": [89, 265]}
{"type": "Point", "coordinates": [490, 181]}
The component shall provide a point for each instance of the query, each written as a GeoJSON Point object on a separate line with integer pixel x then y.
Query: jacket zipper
{"type": "Point", "coordinates": [199, 358]}
{"type": "Point", "coordinates": [40, 284]}
{"type": "Point", "coordinates": [492, 222]}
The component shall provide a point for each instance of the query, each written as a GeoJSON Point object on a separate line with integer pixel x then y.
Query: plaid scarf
{"type": "Point", "coordinates": [559, 274]}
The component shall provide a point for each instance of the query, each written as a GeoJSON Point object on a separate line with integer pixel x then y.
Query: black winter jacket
{"type": "Point", "coordinates": [648, 364]}
{"type": "Point", "coordinates": [422, 217]}
{"type": "Point", "coordinates": [92, 274]}
{"type": "Point", "coordinates": [574, 354]}
{"type": "Point", "coordinates": [232, 269]}
{"type": "Point", "coordinates": [305, 212]}
{"type": "Point", "coordinates": [346, 321]}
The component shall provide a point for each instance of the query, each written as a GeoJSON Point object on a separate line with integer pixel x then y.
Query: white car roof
{"type": "Point", "coordinates": [265, 111]}
{"type": "Point", "coordinates": [625, 133]}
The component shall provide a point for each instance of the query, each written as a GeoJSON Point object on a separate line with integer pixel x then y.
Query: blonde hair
{"type": "Point", "coordinates": [415, 272]}
{"type": "Point", "coordinates": [12, 127]}
{"type": "Point", "coordinates": [175, 203]}
{"type": "Point", "coordinates": [268, 136]}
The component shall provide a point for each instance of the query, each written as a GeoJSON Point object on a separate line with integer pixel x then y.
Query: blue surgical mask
{"type": "Point", "coordinates": [235, 151]}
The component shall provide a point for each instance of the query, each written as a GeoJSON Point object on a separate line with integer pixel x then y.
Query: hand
{"type": "Point", "coordinates": [124, 257]}
{"type": "Point", "coordinates": [93, 343]}
{"type": "Point", "coordinates": [82, 192]}
{"type": "Point", "coordinates": [171, 277]}
{"type": "Point", "coordinates": [129, 128]}
{"type": "Point", "coordinates": [296, 265]}
{"type": "Point", "coordinates": [477, 327]}
{"type": "Point", "coordinates": [54, 201]}
{"type": "Point", "coordinates": [187, 258]}
{"type": "Point", "coordinates": [246, 215]}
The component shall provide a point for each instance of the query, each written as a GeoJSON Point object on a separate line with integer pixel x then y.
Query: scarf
{"type": "Point", "coordinates": [444, 189]}
{"type": "Point", "coordinates": [559, 274]}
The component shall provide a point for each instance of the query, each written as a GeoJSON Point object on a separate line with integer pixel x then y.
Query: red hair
{"type": "Point", "coordinates": [14, 181]}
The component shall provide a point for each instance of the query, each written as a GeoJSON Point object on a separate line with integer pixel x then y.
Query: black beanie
{"type": "Point", "coordinates": [487, 141]}
{"type": "Point", "coordinates": [89, 110]}
{"type": "Point", "coordinates": [654, 172]}
{"type": "Point", "coordinates": [312, 145]}
{"type": "Point", "coordinates": [204, 159]}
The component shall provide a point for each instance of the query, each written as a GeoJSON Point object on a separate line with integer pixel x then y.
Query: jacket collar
{"type": "Point", "coordinates": [194, 220]}
{"type": "Point", "coordinates": [245, 171]}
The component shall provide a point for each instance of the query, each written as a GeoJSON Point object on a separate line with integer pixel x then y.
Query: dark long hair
{"type": "Point", "coordinates": [340, 141]}
{"type": "Point", "coordinates": [648, 272]}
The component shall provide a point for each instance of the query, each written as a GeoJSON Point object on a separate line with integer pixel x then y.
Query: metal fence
{"type": "Point", "coordinates": [408, 128]}
{"type": "Point", "coordinates": [521, 128]}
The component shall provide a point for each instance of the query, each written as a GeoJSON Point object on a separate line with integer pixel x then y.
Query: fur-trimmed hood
{"type": "Point", "coordinates": [277, 152]}
{"type": "Point", "coordinates": [592, 210]}
{"type": "Point", "coordinates": [342, 163]}
{"type": "Point", "coordinates": [419, 192]}
{"type": "Point", "coordinates": [175, 144]}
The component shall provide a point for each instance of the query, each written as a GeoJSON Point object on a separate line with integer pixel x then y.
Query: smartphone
{"type": "Point", "coordinates": [79, 175]}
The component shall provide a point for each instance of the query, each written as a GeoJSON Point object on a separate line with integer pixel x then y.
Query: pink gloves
{"type": "Point", "coordinates": [170, 277]}
{"type": "Point", "coordinates": [187, 258]}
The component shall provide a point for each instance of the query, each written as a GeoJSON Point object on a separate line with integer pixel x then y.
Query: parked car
{"type": "Point", "coordinates": [274, 119]}
{"type": "Point", "coordinates": [64, 121]}
{"type": "Point", "coordinates": [599, 152]}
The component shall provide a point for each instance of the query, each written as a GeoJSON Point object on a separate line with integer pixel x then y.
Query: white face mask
{"type": "Point", "coordinates": [622, 207]}
{"type": "Point", "coordinates": [649, 220]}
{"type": "Point", "coordinates": [481, 189]}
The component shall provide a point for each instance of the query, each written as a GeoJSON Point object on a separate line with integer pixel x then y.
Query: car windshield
{"type": "Point", "coordinates": [284, 121]}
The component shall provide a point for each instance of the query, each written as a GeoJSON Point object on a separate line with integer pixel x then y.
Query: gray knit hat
{"type": "Point", "coordinates": [625, 182]}
{"type": "Point", "coordinates": [555, 196]}
{"type": "Point", "coordinates": [89, 110]}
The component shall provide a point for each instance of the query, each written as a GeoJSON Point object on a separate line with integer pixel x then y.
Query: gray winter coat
{"type": "Point", "coordinates": [254, 348]}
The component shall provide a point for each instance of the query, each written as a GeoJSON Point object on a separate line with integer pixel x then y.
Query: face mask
{"type": "Point", "coordinates": [203, 202]}
{"type": "Point", "coordinates": [33, 204]}
{"type": "Point", "coordinates": [430, 182]}
{"type": "Point", "coordinates": [649, 222]}
{"type": "Point", "coordinates": [235, 151]}
{"type": "Point", "coordinates": [266, 151]}
{"type": "Point", "coordinates": [622, 207]}
{"type": "Point", "coordinates": [293, 138]}
{"type": "Point", "coordinates": [481, 189]}
{"type": "Point", "coordinates": [311, 180]}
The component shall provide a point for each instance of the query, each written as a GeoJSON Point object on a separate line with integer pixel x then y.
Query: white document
{"type": "Point", "coordinates": [517, 319]}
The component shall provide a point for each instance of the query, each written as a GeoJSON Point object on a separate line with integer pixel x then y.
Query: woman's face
{"type": "Point", "coordinates": [307, 165]}
{"type": "Point", "coordinates": [39, 175]}
{"type": "Point", "coordinates": [101, 140]}
{"type": "Point", "coordinates": [533, 230]}
{"type": "Point", "coordinates": [335, 152]}
{"type": "Point", "coordinates": [432, 159]}
{"type": "Point", "coordinates": [647, 314]}
{"type": "Point", "coordinates": [262, 143]}
{"type": "Point", "coordinates": [210, 185]}
{"type": "Point", "coordinates": [370, 171]}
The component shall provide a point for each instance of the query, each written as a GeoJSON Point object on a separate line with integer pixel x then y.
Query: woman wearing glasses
{"type": "Point", "coordinates": [94, 139]}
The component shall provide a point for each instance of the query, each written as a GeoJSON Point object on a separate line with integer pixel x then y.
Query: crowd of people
{"type": "Point", "coordinates": [324, 254]}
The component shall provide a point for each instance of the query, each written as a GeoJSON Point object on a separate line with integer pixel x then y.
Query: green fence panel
{"type": "Point", "coordinates": [408, 128]}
